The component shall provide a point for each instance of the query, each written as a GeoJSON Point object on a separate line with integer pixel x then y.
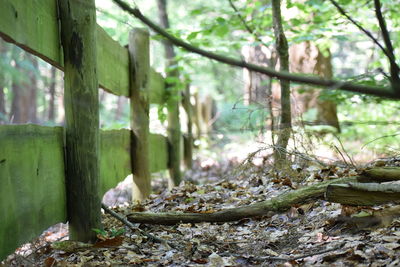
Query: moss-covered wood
{"type": "Point", "coordinates": [34, 26]}
{"type": "Point", "coordinates": [32, 183]}
{"type": "Point", "coordinates": [156, 87]}
{"type": "Point", "coordinates": [78, 26]}
{"type": "Point", "coordinates": [32, 186]}
{"type": "Point", "coordinates": [115, 159]}
{"type": "Point", "coordinates": [158, 153]}
{"type": "Point", "coordinates": [280, 203]}
{"type": "Point", "coordinates": [363, 194]}
{"type": "Point", "coordinates": [382, 174]}
{"type": "Point", "coordinates": [140, 72]}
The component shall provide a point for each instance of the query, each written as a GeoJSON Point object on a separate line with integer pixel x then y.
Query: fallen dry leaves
{"type": "Point", "coordinates": [307, 235]}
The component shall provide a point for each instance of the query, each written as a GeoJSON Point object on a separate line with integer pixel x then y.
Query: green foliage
{"type": "Point", "coordinates": [236, 117]}
{"type": "Point", "coordinates": [111, 233]}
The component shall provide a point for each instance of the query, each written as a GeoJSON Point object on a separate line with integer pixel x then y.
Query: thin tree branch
{"type": "Point", "coordinates": [356, 88]}
{"type": "Point", "coordinates": [132, 227]}
{"type": "Point", "coordinates": [246, 25]}
{"type": "Point", "coordinates": [361, 28]}
{"type": "Point", "coordinates": [394, 68]}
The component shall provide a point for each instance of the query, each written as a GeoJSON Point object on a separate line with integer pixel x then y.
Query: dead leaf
{"type": "Point", "coordinates": [112, 242]}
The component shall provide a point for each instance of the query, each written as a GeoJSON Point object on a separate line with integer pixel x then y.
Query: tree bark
{"type": "Point", "coordinates": [307, 58]}
{"type": "Point", "coordinates": [78, 36]}
{"type": "Point", "coordinates": [174, 131]}
{"type": "Point", "coordinates": [285, 123]}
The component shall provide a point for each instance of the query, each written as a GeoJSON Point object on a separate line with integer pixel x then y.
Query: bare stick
{"type": "Point", "coordinates": [361, 28]}
{"type": "Point", "coordinates": [134, 228]}
{"type": "Point", "coordinates": [364, 89]}
{"type": "Point", "coordinates": [394, 68]}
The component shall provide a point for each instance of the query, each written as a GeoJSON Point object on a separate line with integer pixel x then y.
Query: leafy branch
{"type": "Point", "coordinates": [329, 84]}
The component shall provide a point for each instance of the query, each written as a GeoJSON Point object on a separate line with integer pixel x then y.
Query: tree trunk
{"type": "Point", "coordinates": [3, 112]}
{"type": "Point", "coordinates": [78, 36]}
{"type": "Point", "coordinates": [174, 131]}
{"type": "Point", "coordinates": [256, 85]}
{"type": "Point", "coordinates": [285, 123]}
{"type": "Point", "coordinates": [52, 90]}
{"type": "Point", "coordinates": [188, 142]}
{"type": "Point", "coordinates": [33, 88]}
{"type": "Point", "coordinates": [20, 101]}
{"type": "Point", "coordinates": [307, 58]}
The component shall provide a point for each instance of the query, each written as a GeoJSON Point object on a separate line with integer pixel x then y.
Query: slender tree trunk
{"type": "Point", "coordinates": [3, 112]}
{"type": "Point", "coordinates": [20, 101]}
{"type": "Point", "coordinates": [174, 132]}
{"type": "Point", "coordinates": [119, 109]}
{"type": "Point", "coordinates": [285, 123]}
{"type": "Point", "coordinates": [52, 89]}
{"type": "Point", "coordinates": [32, 106]}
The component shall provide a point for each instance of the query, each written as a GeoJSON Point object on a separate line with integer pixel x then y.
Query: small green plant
{"type": "Point", "coordinates": [111, 233]}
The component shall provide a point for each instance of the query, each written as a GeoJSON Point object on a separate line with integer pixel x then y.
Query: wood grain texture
{"type": "Point", "coordinates": [140, 71]}
{"type": "Point", "coordinates": [34, 26]}
{"type": "Point", "coordinates": [81, 101]}
{"type": "Point", "coordinates": [115, 160]}
{"type": "Point", "coordinates": [32, 186]}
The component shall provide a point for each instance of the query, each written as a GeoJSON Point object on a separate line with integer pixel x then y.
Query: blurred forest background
{"type": "Point", "coordinates": [329, 123]}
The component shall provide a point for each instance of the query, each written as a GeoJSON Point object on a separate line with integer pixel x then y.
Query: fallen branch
{"type": "Point", "coordinates": [134, 228]}
{"type": "Point", "coordinates": [363, 194]}
{"type": "Point", "coordinates": [271, 206]}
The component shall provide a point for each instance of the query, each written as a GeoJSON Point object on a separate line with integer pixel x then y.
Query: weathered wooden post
{"type": "Point", "coordinates": [78, 36]}
{"type": "Point", "coordinates": [174, 139]}
{"type": "Point", "coordinates": [140, 67]}
{"type": "Point", "coordinates": [188, 141]}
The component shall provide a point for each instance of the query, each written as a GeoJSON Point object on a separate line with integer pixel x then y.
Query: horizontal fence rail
{"type": "Point", "coordinates": [35, 27]}
{"type": "Point", "coordinates": [32, 178]}
{"type": "Point", "coordinates": [33, 192]}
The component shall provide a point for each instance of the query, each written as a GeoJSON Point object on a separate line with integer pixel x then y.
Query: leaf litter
{"type": "Point", "coordinates": [306, 235]}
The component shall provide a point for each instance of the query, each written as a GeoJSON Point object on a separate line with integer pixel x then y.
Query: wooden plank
{"type": "Point", "coordinates": [115, 160]}
{"type": "Point", "coordinates": [140, 67]}
{"type": "Point", "coordinates": [32, 186]}
{"type": "Point", "coordinates": [33, 25]}
{"type": "Point", "coordinates": [81, 101]}
{"type": "Point", "coordinates": [158, 152]}
{"type": "Point", "coordinates": [156, 87]}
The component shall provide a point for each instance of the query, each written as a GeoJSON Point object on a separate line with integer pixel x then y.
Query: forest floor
{"type": "Point", "coordinates": [307, 235]}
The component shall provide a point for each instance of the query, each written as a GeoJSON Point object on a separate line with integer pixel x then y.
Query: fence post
{"type": "Point", "coordinates": [188, 141]}
{"type": "Point", "coordinates": [174, 138]}
{"type": "Point", "coordinates": [140, 67]}
{"type": "Point", "coordinates": [78, 36]}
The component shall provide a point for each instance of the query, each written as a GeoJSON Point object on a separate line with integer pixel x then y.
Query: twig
{"type": "Point", "coordinates": [134, 228]}
{"type": "Point", "coordinates": [246, 25]}
{"type": "Point", "coordinates": [364, 89]}
{"type": "Point", "coordinates": [361, 28]}
{"type": "Point", "coordinates": [381, 137]}
{"type": "Point", "coordinates": [394, 68]}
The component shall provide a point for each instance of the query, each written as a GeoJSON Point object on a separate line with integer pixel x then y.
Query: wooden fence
{"type": "Point", "coordinates": [33, 194]}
